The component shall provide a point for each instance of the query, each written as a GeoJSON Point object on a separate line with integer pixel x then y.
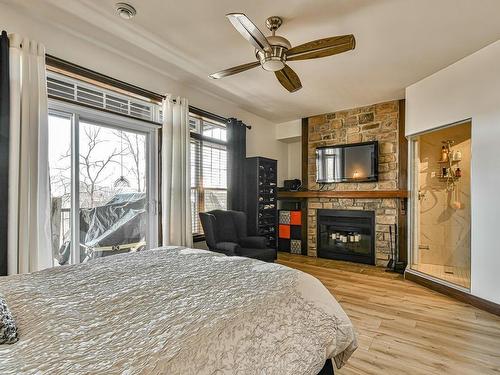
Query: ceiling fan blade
{"type": "Point", "coordinates": [234, 70]}
{"type": "Point", "coordinates": [288, 79]}
{"type": "Point", "coordinates": [249, 31]}
{"type": "Point", "coordinates": [322, 48]}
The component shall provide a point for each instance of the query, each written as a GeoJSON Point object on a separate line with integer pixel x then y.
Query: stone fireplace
{"type": "Point", "coordinates": [379, 122]}
{"type": "Point", "coordinates": [346, 235]}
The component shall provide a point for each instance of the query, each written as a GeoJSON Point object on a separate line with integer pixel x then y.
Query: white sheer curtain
{"type": "Point", "coordinates": [176, 173]}
{"type": "Point", "coordinates": [29, 245]}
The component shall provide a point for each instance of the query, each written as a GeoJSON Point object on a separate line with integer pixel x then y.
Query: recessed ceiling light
{"type": "Point", "coordinates": [125, 11]}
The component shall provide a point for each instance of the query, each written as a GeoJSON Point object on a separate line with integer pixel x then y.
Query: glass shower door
{"type": "Point", "coordinates": [441, 220]}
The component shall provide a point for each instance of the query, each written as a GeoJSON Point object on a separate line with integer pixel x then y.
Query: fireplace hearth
{"type": "Point", "coordinates": [346, 235]}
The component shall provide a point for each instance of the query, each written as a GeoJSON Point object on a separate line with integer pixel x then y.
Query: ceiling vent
{"type": "Point", "coordinates": [125, 11]}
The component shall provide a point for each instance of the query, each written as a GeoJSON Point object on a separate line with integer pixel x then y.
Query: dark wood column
{"type": "Point", "coordinates": [403, 185]}
{"type": "Point", "coordinates": [305, 182]}
{"type": "Point", "coordinates": [305, 153]}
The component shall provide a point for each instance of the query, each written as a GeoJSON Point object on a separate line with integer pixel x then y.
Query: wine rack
{"type": "Point", "coordinates": [262, 195]}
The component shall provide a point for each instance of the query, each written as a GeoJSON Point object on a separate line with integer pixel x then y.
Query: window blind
{"type": "Point", "coordinates": [208, 168]}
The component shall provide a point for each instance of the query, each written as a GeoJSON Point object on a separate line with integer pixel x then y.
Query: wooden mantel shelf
{"type": "Point", "coordinates": [343, 194]}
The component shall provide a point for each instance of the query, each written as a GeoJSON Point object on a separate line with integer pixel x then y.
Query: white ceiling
{"type": "Point", "coordinates": [398, 42]}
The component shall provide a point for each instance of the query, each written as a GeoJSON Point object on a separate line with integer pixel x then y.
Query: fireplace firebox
{"type": "Point", "coordinates": [346, 235]}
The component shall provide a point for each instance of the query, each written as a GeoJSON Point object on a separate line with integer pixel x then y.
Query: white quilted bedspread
{"type": "Point", "coordinates": [173, 311]}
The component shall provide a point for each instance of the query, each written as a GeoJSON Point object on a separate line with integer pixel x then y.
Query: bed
{"type": "Point", "coordinates": [173, 311]}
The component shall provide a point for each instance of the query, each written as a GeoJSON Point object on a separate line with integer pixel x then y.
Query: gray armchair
{"type": "Point", "coordinates": [226, 232]}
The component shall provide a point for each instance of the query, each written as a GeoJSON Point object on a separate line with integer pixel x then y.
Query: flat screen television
{"type": "Point", "coordinates": [357, 162]}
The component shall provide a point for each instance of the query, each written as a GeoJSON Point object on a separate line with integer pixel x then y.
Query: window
{"type": "Point", "coordinates": [102, 178]}
{"type": "Point", "coordinates": [208, 167]}
{"type": "Point", "coordinates": [62, 87]}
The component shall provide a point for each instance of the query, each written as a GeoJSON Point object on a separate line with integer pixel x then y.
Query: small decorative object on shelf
{"type": "Point", "coordinates": [451, 173]}
{"type": "Point", "coordinates": [445, 154]}
{"type": "Point", "coordinates": [457, 155]}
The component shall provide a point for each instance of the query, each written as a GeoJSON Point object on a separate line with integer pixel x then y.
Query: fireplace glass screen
{"type": "Point", "coordinates": [346, 235]}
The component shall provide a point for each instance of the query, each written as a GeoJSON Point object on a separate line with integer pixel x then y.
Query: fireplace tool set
{"type": "Point", "coordinates": [394, 265]}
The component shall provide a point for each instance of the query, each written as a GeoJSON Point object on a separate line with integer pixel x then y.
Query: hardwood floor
{"type": "Point", "coordinates": [456, 275]}
{"type": "Point", "coordinates": [405, 328]}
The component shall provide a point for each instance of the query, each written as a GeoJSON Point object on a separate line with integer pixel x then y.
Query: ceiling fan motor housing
{"type": "Point", "coordinates": [275, 58]}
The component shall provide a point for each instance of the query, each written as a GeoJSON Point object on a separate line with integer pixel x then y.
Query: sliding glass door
{"type": "Point", "coordinates": [102, 174]}
{"type": "Point", "coordinates": [60, 172]}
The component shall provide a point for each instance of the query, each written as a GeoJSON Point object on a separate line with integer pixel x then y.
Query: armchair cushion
{"type": "Point", "coordinates": [228, 248]}
{"type": "Point", "coordinates": [225, 227]}
{"type": "Point", "coordinates": [253, 242]}
{"type": "Point", "coordinates": [240, 222]}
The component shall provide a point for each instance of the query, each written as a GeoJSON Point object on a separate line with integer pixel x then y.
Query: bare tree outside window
{"type": "Point", "coordinates": [133, 147]}
{"type": "Point", "coordinates": [95, 169]}
{"type": "Point", "coordinates": [102, 158]}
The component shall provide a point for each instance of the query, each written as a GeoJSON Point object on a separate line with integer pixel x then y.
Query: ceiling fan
{"type": "Point", "coordinates": [274, 51]}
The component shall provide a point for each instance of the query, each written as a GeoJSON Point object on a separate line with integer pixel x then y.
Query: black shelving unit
{"type": "Point", "coordinates": [262, 197]}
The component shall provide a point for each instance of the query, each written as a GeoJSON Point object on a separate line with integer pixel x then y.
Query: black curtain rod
{"type": "Point", "coordinates": [67, 66]}
{"type": "Point", "coordinates": [70, 67]}
{"type": "Point", "coordinates": [209, 115]}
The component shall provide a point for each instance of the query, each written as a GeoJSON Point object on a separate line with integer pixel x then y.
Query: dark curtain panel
{"type": "Point", "coordinates": [4, 148]}
{"type": "Point", "coordinates": [236, 155]}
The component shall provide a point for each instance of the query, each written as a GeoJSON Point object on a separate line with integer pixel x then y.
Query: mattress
{"type": "Point", "coordinates": [173, 311]}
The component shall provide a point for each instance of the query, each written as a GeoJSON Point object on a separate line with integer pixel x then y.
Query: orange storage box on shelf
{"type": "Point", "coordinates": [295, 218]}
{"type": "Point", "coordinates": [284, 231]}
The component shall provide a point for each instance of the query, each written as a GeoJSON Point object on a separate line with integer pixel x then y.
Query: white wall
{"type": "Point", "coordinates": [261, 142]}
{"type": "Point", "coordinates": [290, 133]}
{"type": "Point", "coordinates": [95, 55]}
{"type": "Point", "coordinates": [295, 160]}
{"type": "Point", "coordinates": [470, 88]}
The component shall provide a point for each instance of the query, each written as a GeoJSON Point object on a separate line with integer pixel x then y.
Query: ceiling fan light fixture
{"type": "Point", "coordinates": [273, 64]}
{"type": "Point", "coordinates": [274, 59]}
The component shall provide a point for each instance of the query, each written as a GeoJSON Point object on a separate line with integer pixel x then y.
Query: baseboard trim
{"type": "Point", "coordinates": [475, 301]}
